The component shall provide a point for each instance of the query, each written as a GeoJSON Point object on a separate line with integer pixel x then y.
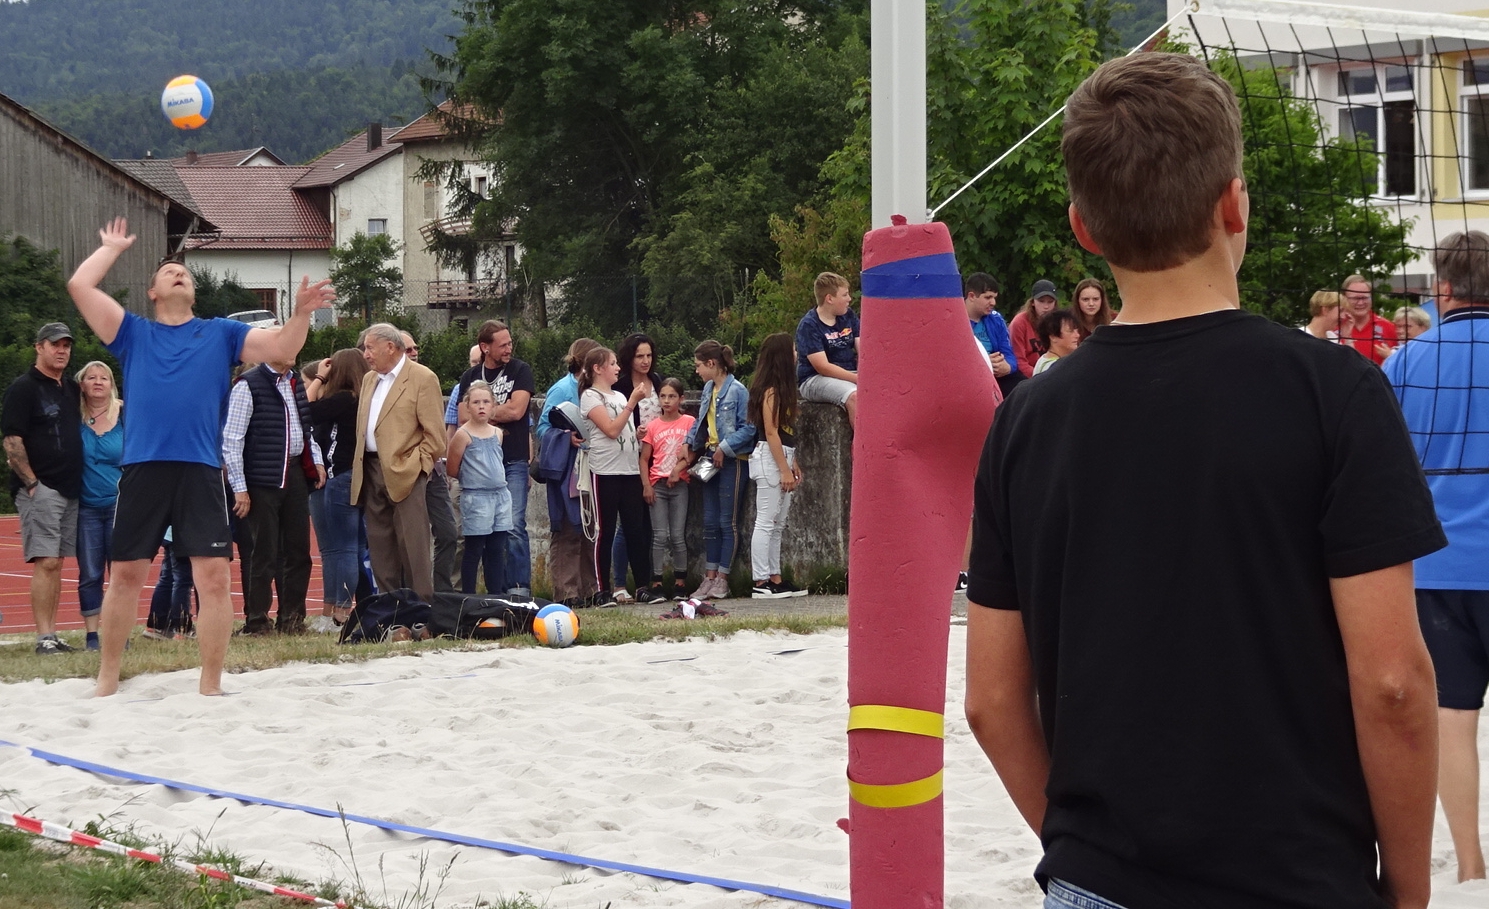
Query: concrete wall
{"type": "Point", "coordinates": [376, 192]}
{"type": "Point", "coordinates": [814, 549]}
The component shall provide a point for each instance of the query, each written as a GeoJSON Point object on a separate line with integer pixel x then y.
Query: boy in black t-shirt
{"type": "Point", "coordinates": [1198, 671]}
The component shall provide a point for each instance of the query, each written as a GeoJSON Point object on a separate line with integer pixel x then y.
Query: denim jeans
{"type": "Point", "coordinates": [519, 566]}
{"type": "Point", "coordinates": [772, 504]}
{"type": "Point", "coordinates": [720, 504]}
{"type": "Point", "coordinates": [1062, 895]}
{"type": "Point", "coordinates": [669, 530]}
{"type": "Point", "coordinates": [170, 604]}
{"type": "Point", "coordinates": [338, 531]}
{"type": "Point", "coordinates": [95, 526]}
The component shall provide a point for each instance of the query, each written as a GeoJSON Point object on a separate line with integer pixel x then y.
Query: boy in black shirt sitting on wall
{"type": "Point", "coordinates": [1200, 676]}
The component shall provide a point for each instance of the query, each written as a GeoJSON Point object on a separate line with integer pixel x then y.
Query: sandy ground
{"type": "Point", "coordinates": [723, 759]}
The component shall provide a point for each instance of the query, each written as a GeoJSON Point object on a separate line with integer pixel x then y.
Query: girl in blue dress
{"type": "Point", "coordinates": [475, 458]}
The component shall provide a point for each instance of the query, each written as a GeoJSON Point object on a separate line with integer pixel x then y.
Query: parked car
{"type": "Point", "coordinates": [255, 318]}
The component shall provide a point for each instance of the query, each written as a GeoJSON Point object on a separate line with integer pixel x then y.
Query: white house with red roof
{"type": "Point", "coordinates": [276, 222]}
{"type": "Point", "coordinates": [269, 236]}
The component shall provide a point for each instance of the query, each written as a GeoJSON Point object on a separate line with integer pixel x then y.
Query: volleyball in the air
{"type": "Point", "coordinates": [556, 625]}
{"type": "Point", "coordinates": [187, 102]}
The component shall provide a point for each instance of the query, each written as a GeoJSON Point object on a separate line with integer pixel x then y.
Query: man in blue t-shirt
{"type": "Point", "coordinates": [827, 347]}
{"type": "Point", "coordinates": [1441, 379]}
{"type": "Point", "coordinates": [176, 375]}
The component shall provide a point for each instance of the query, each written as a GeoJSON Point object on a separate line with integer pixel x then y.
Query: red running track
{"type": "Point", "coordinates": [15, 585]}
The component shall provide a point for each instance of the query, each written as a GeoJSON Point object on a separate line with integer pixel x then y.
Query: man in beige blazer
{"type": "Point", "coordinates": [400, 434]}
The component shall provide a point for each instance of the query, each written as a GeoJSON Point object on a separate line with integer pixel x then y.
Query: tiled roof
{"type": "Point", "coordinates": [345, 161]}
{"type": "Point", "coordinates": [226, 158]}
{"type": "Point", "coordinates": [256, 207]}
{"type": "Point", "coordinates": [432, 128]}
{"type": "Point", "coordinates": [160, 174]}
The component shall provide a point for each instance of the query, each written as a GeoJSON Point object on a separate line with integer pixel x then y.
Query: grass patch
{"type": "Point", "coordinates": [39, 874]}
{"type": "Point", "coordinates": [18, 663]}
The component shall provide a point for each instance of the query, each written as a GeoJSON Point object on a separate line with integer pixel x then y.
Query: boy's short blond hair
{"type": "Point", "coordinates": [1151, 142]}
{"type": "Point", "coordinates": [827, 283]}
{"type": "Point", "coordinates": [1322, 300]}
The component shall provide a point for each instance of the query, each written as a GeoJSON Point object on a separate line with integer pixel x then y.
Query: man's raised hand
{"type": "Point", "coordinates": [311, 297]}
{"type": "Point", "coordinates": [116, 235]}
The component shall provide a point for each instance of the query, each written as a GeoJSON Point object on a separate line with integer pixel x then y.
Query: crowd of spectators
{"type": "Point", "coordinates": [396, 480]}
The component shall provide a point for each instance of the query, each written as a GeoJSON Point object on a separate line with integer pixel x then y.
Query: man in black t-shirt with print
{"type": "Point", "coordinates": [41, 422]}
{"type": "Point", "coordinates": [1198, 670]}
{"type": "Point", "coordinates": [511, 382]}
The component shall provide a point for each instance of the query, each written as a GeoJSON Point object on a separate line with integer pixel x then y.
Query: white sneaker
{"type": "Point", "coordinates": [720, 588]}
{"type": "Point", "coordinates": [322, 624]}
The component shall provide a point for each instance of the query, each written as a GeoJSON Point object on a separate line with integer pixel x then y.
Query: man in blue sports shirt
{"type": "Point", "coordinates": [176, 370]}
{"type": "Point", "coordinates": [1441, 379]}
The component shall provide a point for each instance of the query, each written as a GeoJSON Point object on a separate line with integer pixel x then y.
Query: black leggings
{"type": "Point", "coordinates": [620, 495]}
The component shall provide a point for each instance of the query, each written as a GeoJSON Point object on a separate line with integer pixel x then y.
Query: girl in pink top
{"type": "Point", "coordinates": [664, 485]}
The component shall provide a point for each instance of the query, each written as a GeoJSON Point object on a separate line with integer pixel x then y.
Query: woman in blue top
{"type": "Point", "coordinates": [723, 434]}
{"type": "Point", "coordinates": [103, 449]}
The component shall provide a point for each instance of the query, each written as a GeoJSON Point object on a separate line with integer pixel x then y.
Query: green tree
{"type": "Point", "coordinates": [219, 296]}
{"type": "Point", "coordinates": [995, 69]}
{"type": "Point", "coordinates": [627, 136]}
{"type": "Point", "coordinates": [364, 280]}
{"type": "Point", "coordinates": [32, 291]}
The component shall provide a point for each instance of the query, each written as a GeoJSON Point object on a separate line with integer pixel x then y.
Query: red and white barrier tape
{"type": "Point", "coordinates": [64, 835]}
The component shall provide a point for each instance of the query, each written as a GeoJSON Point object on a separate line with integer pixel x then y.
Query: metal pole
{"type": "Point", "coordinates": [897, 75]}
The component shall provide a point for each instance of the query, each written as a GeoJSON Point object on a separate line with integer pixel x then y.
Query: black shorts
{"type": "Point", "coordinates": [187, 497]}
{"type": "Point", "coordinates": [1455, 624]}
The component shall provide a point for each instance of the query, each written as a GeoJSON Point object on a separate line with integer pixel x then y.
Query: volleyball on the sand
{"type": "Point", "coordinates": [187, 102]}
{"type": "Point", "coordinates": [556, 625]}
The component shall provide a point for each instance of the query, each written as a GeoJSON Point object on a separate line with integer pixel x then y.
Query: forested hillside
{"type": "Point", "coordinates": [295, 75]}
{"type": "Point", "coordinates": [70, 48]}
{"type": "Point", "coordinates": [297, 114]}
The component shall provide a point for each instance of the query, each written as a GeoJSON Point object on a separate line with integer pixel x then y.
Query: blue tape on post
{"type": "Point", "coordinates": [917, 278]}
{"type": "Point", "coordinates": [810, 899]}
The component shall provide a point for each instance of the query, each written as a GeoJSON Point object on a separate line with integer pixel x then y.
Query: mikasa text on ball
{"type": "Point", "coordinates": [556, 625]}
{"type": "Point", "coordinates": [187, 102]}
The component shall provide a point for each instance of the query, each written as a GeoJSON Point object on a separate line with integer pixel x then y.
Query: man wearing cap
{"type": "Point", "coordinates": [40, 421]}
{"type": "Point", "coordinates": [1024, 329]}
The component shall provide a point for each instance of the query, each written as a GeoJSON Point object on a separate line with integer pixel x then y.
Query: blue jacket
{"type": "Point", "coordinates": [997, 332]}
{"type": "Point", "coordinates": [736, 433]}
{"type": "Point", "coordinates": [565, 390]}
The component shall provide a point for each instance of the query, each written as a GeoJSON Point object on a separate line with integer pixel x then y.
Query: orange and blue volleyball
{"type": "Point", "coordinates": [556, 625]}
{"type": "Point", "coordinates": [187, 102]}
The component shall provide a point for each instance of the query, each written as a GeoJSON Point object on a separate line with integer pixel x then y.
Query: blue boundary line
{"type": "Point", "coordinates": [812, 899]}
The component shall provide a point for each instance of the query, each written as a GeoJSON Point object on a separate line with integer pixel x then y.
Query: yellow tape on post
{"type": "Point", "coordinates": [900, 795]}
{"type": "Point", "coordinates": [897, 719]}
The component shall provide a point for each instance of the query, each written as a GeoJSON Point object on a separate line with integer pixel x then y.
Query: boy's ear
{"type": "Point", "coordinates": [1082, 235]}
{"type": "Point", "coordinates": [1235, 207]}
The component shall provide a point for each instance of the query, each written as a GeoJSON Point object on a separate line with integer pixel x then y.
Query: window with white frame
{"type": "Point", "coordinates": [1474, 102]}
{"type": "Point", "coordinates": [1377, 103]}
{"type": "Point", "coordinates": [376, 226]}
